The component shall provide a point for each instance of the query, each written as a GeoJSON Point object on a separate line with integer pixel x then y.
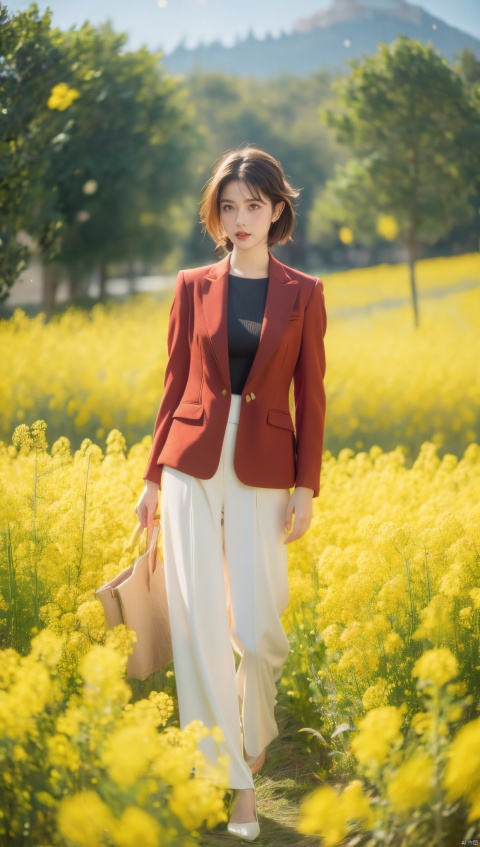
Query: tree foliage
{"type": "Point", "coordinates": [414, 135]}
{"type": "Point", "coordinates": [279, 115]}
{"type": "Point", "coordinates": [98, 143]}
{"type": "Point", "coordinates": [30, 64]}
{"type": "Point", "coordinates": [103, 156]}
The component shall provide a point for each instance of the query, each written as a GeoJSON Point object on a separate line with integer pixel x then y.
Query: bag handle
{"type": "Point", "coordinates": [152, 549]}
{"type": "Point", "coordinates": [151, 545]}
{"type": "Point", "coordinates": [157, 522]}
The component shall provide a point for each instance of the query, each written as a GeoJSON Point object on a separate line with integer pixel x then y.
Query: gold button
{"type": "Point", "coordinates": [252, 395]}
{"type": "Point", "coordinates": [248, 398]}
{"type": "Point", "coordinates": [224, 391]}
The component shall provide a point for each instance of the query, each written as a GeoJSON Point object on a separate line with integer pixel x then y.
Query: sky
{"type": "Point", "coordinates": [162, 24]}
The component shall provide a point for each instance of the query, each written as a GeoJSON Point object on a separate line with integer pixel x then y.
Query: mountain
{"type": "Point", "coordinates": [324, 41]}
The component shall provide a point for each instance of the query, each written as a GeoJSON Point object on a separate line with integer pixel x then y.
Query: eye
{"type": "Point", "coordinates": [226, 207]}
{"type": "Point", "coordinates": [257, 205]}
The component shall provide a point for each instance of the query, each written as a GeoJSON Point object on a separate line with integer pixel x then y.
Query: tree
{"type": "Point", "coordinates": [29, 65]}
{"type": "Point", "coordinates": [99, 144]}
{"type": "Point", "coordinates": [415, 134]}
{"type": "Point", "coordinates": [277, 115]}
{"type": "Point", "coordinates": [469, 69]}
{"type": "Point", "coordinates": [124, 157]}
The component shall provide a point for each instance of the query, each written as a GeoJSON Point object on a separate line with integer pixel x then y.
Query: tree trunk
{"type": "Point", "coordinates": [102, 281]}
{"type": "Point", "coordinates": [51, 278]}
{"type": "Point", "coordinates": [412, 255]}
{"type": "Point", "coordinates": [74, 284]}
{"type": "Point", "coordinates": [131, 275]}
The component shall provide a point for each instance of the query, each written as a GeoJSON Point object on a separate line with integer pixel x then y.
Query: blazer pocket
{"type": "Point", "coordinates": [188, 410]}
{"type": "Point", "coordinates": [277, 417]}
{"type": "Point", "coordinates": [294, 317]}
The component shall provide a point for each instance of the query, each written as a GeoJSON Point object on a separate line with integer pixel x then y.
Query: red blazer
{"type": "Point", "coordinates": [190, 426]}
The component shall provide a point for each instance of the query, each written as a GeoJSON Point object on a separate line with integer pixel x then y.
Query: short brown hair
{"type": "Point", "coordinates": [261, 172]}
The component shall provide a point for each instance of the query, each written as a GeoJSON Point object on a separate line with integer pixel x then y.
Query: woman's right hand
{"type": "Point", "coordinates": [147, 504]}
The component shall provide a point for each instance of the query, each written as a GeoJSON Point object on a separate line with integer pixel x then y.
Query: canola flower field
{"type": "Point", "coordinates": [384, 613]}
{"type": "Point", "coordinates": [86, 373]}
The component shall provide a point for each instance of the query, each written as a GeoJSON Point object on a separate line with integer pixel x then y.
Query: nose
{"type": "Point", "coordinates": [239, 219]}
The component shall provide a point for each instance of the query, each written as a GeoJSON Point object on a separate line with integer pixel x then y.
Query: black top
{"type": "Point", "coordinates": [246, 308]}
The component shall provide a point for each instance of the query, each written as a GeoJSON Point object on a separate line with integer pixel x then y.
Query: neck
{"type": "Point", "coordinates": [253, 264]}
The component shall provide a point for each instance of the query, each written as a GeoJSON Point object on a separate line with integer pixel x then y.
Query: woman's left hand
{"type": "Point", "coordinates": [301, 503]}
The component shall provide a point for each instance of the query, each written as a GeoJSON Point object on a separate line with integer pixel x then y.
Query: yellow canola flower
{"type": "Point", "coordinates": [63, 754]}
{"type": "Point", "coordinates": [37, 430]}
{"type": "Point", "coordinates": [355, 804]}
{"type": "Point", "coordinates": [47, 648]}
{"type": "Point", "coordinates": [22, 439]}
{"type": "Point", "coordinates": [156, 709]}
{"type": "Point", "coordinates": [327, 814]}
{"type": "Point", "coordinates": [121, 639]}
{"type": "Point", "coordinates": [422, 723]}
{"type": "Point", "coordinates": [474, 813]}
{"type": "Point", "coordinates": [387, 227]}
{"type": "Point", "coordinates": [135, 827]}
{"type": "Point", "coordinates": [70, 721]}
{"type": "Point", "coordinates": [321, 814]}
{"type": "Point", "coordinates": [438, 666]}
{"type": "Point", "coordinates": [475, 595]}
{"type": "Point", "coordinates": [128, 752]}
{"type": "Point", "coordinates": [345, 235]}
{"type": "Point", "coordinates": [19, 754]}
{"type": "Point", "coordinates": [92, 619]}
{"type": "Point", "coordinates": [197, 802]}
{"type": "Point", "coordinates": [413, 783]}
{"type": "Point", "coordinates": [376, 695]}
{"type": "Point", "coordinates": [27, 697]}
{"type": "Point", "coordinates": [462, 770]}
{"type": "Point", "coordinates": [179, 752]}
{"type": "Point", "coordinates": [436, 621]}
{"type": "Point", "coordinates": [62, 96]}
{"type": "Point", "coordinates": [84, 818]}
{"type": "Point", "coordinates": [101, 669]}
{"type": "Point", "coordinates": [379, 729]}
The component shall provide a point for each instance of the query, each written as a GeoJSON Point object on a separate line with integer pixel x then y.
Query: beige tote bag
{"type": "Point", "coordinates": [137, 597]}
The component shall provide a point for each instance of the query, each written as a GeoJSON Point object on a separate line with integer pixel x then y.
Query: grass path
{"type": "Point", "coordinates": [285, 778]}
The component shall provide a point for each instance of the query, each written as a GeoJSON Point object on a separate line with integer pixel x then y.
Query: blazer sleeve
{"type": "Point", "coordinates": [176, 375]}
{"type": "Point", "coordinates": [309, 392]}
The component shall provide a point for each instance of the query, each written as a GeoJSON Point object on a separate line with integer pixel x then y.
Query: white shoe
{"type": "Point", "coordinates": [249, 830]}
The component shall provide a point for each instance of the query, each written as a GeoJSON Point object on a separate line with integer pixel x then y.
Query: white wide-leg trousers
{"type": "Point", "coordinates": [227, 585]}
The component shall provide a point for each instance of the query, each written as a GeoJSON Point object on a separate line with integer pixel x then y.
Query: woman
{"type": "Point", "coordinates": [225, 454]}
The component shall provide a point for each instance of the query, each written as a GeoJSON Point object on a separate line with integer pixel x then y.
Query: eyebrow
{"type": "Point", "coordinates": [225, 200]}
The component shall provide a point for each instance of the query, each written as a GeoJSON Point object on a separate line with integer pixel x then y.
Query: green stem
{"type": "Point", "coordinates": [84, 519]}
{"type": "Point", "coordinates": [438, 791]}
{"type": "Point", "coordinates": [410, 594]}
{"type": "Point", "coordinates": [12, 627]}
{"type": "Point", "coordinates": [358, 689]}
{"type": "Point", "coordinates": [35, 541]}
{"type": "Point", "coordinates": [35, 483]}
{"type": "Point", "coordinates": [427, 574]}
{"type": "Point", "coordinates": [382, 644]}
{"type": "Point", "coordinates": [455, 626]}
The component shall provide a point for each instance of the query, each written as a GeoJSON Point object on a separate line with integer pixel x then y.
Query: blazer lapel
{"type": "Point", "coordinates": [281, 294]}
{"type": "Point", "coordinates": [214, 294]}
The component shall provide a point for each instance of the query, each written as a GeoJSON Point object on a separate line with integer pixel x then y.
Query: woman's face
{"type": "Point", "coordinates": [241, 213]}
